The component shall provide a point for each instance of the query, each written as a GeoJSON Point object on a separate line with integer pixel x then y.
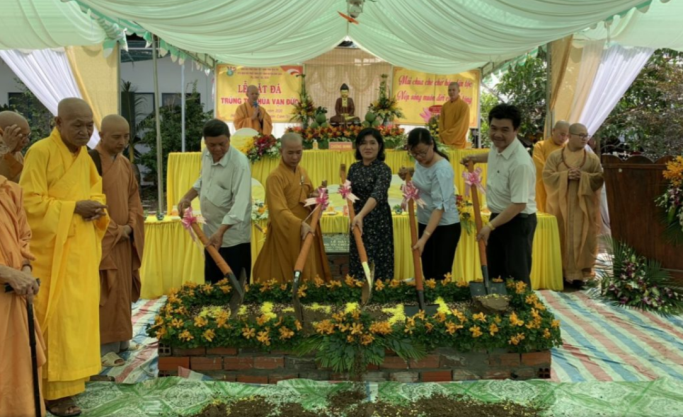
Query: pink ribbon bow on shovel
{"type": "Point", "coordinates": [345, 191]}
{"type": "Point", "coordinates": [322, 200]}
{"type": "Point", "coordinates": [473, 179]}
{"type": "Point", "coordinates": [189, 219]}
{"type": "Point", "coordinates": [410, 192]}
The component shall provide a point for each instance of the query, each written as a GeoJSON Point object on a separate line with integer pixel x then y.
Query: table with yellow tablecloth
{"type": "Point", "coordinates": [184, 169]}
{"type": "Point", "coordinates": [171, 258]}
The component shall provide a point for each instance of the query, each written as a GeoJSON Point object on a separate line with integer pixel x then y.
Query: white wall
{"type": "Point", "coordinates": [140, 74]}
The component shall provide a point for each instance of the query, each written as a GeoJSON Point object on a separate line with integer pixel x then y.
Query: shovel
{"type": "Point", "coordinates": [238, 295]}
{"type": "Point", "coordinates": [477, 288]}
{"type": "Point", "coordinates": [417, 261]}
{"type": "Point", "coordinates": [34, 356]}
{"type": "Point", "coordinates": [301, 260]}
{"type": "Point", "coordinates": [362, 254]}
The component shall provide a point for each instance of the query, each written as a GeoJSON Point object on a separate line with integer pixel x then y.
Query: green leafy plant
{"type": "Point", "coordinates": [39, 117]}
{"type": "Point", "coordinates": [637, 282]}
{"type": "Point", "coordinates": [195, 118]}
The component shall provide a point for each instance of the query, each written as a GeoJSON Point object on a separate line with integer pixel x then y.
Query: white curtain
{"type": "Point", "coordinates": [618, 68]}
{"type": "Point", "coordinates": [46, 72]}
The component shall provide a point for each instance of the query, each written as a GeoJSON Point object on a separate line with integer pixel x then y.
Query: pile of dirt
{"type": "Point", "coordinates": [352, 403]}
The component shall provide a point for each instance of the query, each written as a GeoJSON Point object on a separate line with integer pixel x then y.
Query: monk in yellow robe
{"type": "Point", "coordinates": [65, 209]}
{"type": "Point", "coordinates": [16, 377]}
{"type": "Point", "coordinates": [454, 120]}
{"type": "Point", "coordinates": [124, 241]}
{"type": "Point", "coordinates": [16, 136]}
{"type": "Point", "coordinates": [573, 177]}
{"type": "Point", "coordinates": [542, 151]}
{"type": "Point", "coordinates": [250, 114]}
{"type": "Point", "coordinates": [287, 189]}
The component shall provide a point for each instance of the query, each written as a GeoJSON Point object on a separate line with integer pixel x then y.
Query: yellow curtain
{"type": "Point", "coordinates": [559, 55]}
{"type": "Point", "coordinates": [356, 68]}
{"type": "Point", "coordinates": [184, 169]}
{"type": "Point", "coordinates": [97, 78]}
{"type": "Point", "coordinates": [171, 258]}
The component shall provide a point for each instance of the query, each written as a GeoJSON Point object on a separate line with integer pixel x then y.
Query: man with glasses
{"type": "Point", "coordinates": [542, 151]}
{"type": "Point", "coordinates": [16, 134]}
{"type": "Point", "coordinates": [510, 195]}
{"type": "Point", "coordinates": [573, 178]}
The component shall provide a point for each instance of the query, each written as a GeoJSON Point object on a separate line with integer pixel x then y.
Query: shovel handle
{"type": "Point", "coordinates": [362, 253]}
{"type": "Point", "coordinates": [308, 241]}
{"type": "Point", "coordinates": [417, 261]}
{"type": "Point", "coordinates": [477, 217]}
{"type": "Point", "coordinates": [213, 252]}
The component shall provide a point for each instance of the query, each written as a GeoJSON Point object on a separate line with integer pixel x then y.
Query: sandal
{"type": "Point", "coordinates": [63, 407]}
{"type": "Point", "coordinates": [111, 360]}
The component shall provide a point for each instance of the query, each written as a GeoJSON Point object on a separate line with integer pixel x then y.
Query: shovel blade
{"type": "Point", "coordinates": [298, 308]}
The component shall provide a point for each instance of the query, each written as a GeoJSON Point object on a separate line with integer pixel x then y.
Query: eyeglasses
{"type": "Point", "coordinates": [582, 135]}
{"type": "Point", "coordinates": [420, 154]}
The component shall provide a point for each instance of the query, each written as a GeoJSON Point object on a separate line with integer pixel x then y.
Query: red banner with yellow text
{"type": "Point", "coordinates": [279, 88]}
{"type": "Point", "coordinates": [420, 95]}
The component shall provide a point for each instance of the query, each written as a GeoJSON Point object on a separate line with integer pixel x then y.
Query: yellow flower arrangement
{"type": "Point", "coordinates": [493, 329]}
{"type": "Point", "coordinates": [366, 339]}
{"type": "Point", "coordinates": [208, 335]}
{"type": "Point", "coordinates": [451, 327]}
{"type": "Point", "coordinates": [379, 285]}
{"type": "Point", "coordinates": [248, 332]}
{"type": "Point", "coordinates": [514, 340]}
{"type": "Point", "coordinates": [286, 333]}
{"type": "Point", "coordinates": [324, 327]}
{"type": "Point", "coordinates": [479, 317]}
{"type": "Point", "coordinates": [476, 331]}
{"type": "Point", "coordinates": [186, 336]}
{"type": "Point", "coordinates": [381, 327]}
{"type": "Point", "coordinates": [674, 171]}
{"type": "Point", "coordinates": [264, 338]}
{"type": "Point", "coordinates": [200, 321]}
{"type": "Point", "coordinates": [430, 283]}
{"type": "Point", "coordinates": [515, 321]}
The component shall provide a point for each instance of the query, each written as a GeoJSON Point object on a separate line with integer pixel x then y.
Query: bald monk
{"type": "Point", "coordinates": [16, 136]}
{"type": "Point", "coordinates": [542, 151]}
{"type": "Point", "coordinates": [454, 120]}
{"type": "Point", "coordinates": [573, 177]}
{"type": "Point", "coordinates": [16, 377]}
{"type": "Point", "coordinates": [250, 114]}
{"type": "Point", "coordinates": [122, 244]}
{"type": "Point", "coordinates": [66, 212]}
{"type": "Point", "coordinates": [287, 189]}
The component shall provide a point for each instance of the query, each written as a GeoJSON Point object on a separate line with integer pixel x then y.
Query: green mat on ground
{"type": "Point", "coordinates": [178, 396]}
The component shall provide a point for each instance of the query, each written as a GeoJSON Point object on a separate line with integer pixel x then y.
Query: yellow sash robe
{"type": "Point", "coordinates": [68, 251]}
{"type": "Point", "coordinates": [542, 151]}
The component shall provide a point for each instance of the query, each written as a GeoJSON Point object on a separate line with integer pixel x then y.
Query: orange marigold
{"type": "Point", "coordinates": [209, 335]}
{"type": "Point", "coordinates": [264, 337]}
{"type": "Point", "coordinates": [186, 336]}
{"type": "Point", "coordinates": [476, 331]}
{"type": "Point", "coordinates": [200, 321]}
{"type": "Point", "coordinates": [248, 332]}
{"type": "Point", "coordinates": [366, 339]}
{"type": "Point", "coordinates": [286, 333]}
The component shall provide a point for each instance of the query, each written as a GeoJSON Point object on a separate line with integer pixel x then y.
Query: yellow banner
{"type": "Point", "coordinates": [279, 87]}
{"type": "Point", "coordinates": [420, 95]}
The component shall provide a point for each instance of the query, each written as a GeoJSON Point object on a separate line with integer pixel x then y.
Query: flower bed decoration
{"type": "Point", "coordinates": [348, 338]}
{"type": "Point", "coordinates": [672, 200]}
{"type": "Point", "coordinates": [262, 146]}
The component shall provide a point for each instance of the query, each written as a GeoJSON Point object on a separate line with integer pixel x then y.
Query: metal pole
{"type": "Point", "coordinates": [548, 91]}
{"type": "Point", "coordinates": [479, 138]}
{"type": "Point", "coordinates": [160, 158]}
{"type": "Point", "coordinates": [182, 106]}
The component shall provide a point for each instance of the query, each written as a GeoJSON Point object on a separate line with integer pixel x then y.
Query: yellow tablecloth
{"type": "Point", "coordinates": [171, 258]}
{"type": "Point", "coordinates": [184, 168]}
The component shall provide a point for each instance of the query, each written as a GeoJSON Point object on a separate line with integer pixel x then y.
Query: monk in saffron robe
{"type": "Point", "coordinates": [542, 151]}
{"type": "Point", "coordinates": [122, 244]}
{"type": "Point", "coordinates": [250, 114]}
{"type": "Point", "coordinates": [65, 209]}
{"type": "Point", "coordinates": [16, 377]}
{"type": "Point", "coordinates": [287, 189]}
{"type": "Point", "coordinates": [573, 177]}
{"type": "Point", "coordinates": [454, 120]}
{"type": "Point", "coordinates": [16, 136]}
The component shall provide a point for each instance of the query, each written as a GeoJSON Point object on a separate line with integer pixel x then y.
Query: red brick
{"type": "Point", "coordinates": [252, 379]}
{"type": "Point", "coordinates": [274, 379]}
{"type": "Point", "coordinates": [524, 373]}
{"type": "Point", "coordinates": [389, 352]}
{"type": "Point", "coordinates": [393, 362]}
{"type": "Point", "coordinates": [372, 367]}
{"type": "Point", "coordinates": [452, 361]}
{"type": "Point", "coordinates": [206, 364]}
{"type": "Point", "coordinates": [428, 362]}
{"type": "Point", "coordinates": [536, 358]}
{"type": "Point", "coordinates": [436, 376]}
{"type": "Point", "coordinates": [222, 351]}
{"type": "Point", "coordinates": [504, 359]}
{"type": "Point", "coordinates": [171, 363]}
{"type": "Point", "coordinates": [496, 374]}
{"type": "Point", "coordinates": [189, 352]}
{"type": "Point", "coordinates": [281, 352]}
{"type": "Point", "coordinates": [237, 364]}
{"type": "Point", "coordinates": [405, 377]}
{"type": "Point", "coordinates": [269, 362]}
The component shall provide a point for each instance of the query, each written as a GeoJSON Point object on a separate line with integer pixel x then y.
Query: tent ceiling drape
{"type": "Point", "coordinates": [438, 36]}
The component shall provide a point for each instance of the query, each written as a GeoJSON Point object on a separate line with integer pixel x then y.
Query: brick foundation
{"type": "Point", "coordinates": [251, 366]}
{"type": "Point", "coordinates": [339, 265]}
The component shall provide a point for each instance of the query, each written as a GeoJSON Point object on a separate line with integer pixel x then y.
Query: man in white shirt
{"type": "Point", "coordinates": [511, 197]}
{"type": "Point", "coordinates": [224, 191]}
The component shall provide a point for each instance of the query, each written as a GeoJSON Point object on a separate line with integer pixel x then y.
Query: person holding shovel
{"type": "Point", "coordinates": [21, 394]}
{"type": "Point", "coordinates": [438, 219]}
{"type": "Point", "coordinates": [511, 197]}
